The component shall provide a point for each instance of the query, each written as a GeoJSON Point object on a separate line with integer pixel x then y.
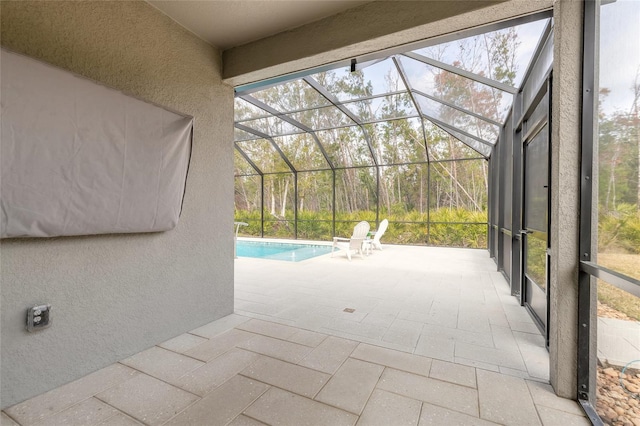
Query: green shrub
{"type": "Point", "coordinates": [468, 229]}
{"type": "Point", "coordinates": [619, 229]}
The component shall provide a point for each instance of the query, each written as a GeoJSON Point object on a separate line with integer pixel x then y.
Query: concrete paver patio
{"type": "Point", "coordinates": [444, 303]}
{"type": "Point", "coordinates": [434, 340]}
{"type": "Point", "coordinates": [618, 341]}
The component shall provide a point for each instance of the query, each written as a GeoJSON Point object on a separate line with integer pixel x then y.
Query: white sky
{"type": "Point", "coordinates": [619, 52]}
{"type": "Point", "coordinates": [528, 36]}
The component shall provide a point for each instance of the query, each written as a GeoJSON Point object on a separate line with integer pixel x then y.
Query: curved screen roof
{"type": "Point", "coordinates": [395, 110]}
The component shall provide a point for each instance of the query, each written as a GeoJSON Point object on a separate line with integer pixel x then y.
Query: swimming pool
{"type": "Point", "coordinates": [280, 251]}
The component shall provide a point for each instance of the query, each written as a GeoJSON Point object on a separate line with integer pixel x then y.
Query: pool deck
{"type": "Point", "coordinates": [444, 303]}
{"type": "Point", "coordinates": [409, 335]}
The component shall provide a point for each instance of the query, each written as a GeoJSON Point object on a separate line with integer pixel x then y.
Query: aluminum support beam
{"type": "Point", "coordinates": [417, 104]}
{"type": "Point", "coordinates": [273, 143]}
{"type": "Point", "coordinates": [295, 111]}
{"type": "Point", "coordinates": [587, 289]}
{"type": "Point", "coordinates": [329, 96]}
{"type": "Point", "coordinates": [446, 126]}
{"type": "Point", "coordinates": [291, 121]}
{"type": "Point", "coordinates": [623, 282]}
{"type": "Point", "coordinates": [456, 107]}
{"type": "Point", "coordinates": [536, 54]}
{"type": "Point", "coordinates": [517, 203]}
{"type": "Point", "coordinates": [463, 73]}
{"type": "Point", "coordinates": [407, 83]}
{"type": "Point", "coordinates": [246, 157]}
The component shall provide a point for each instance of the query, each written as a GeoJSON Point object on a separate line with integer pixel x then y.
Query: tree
{"type": "Point", "coordinates": [397, 143]}
{"type": "Point", "coordinates": [619, 151]}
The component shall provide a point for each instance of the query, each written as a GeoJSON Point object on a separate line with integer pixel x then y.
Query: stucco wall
{"type": "Point", "coordinates": [115, 295]}
{"type": "Point", "coordinates": [363, 30]}
{"type": "Point", "coordinates": [565, 196]}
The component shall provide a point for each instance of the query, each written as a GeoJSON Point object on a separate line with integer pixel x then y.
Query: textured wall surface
{"type": "Point", "coordinates": [565, 196]}
{"type": "Point", "coordinates": [362, 30]}
{"type": "Point", "coordinates": [115, 295]}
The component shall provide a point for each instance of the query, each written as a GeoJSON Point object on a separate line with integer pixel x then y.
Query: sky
{"type": "Point", "coordinates": [528, 36]}
{"type": "Point", "coordinates": [422, 76]}
{"type": "Point", "coordinates": [619, 58]}
{"type": "Point", "coordinates": [619, 52]}
{"type": "Point", "coordinates": [619, 55]}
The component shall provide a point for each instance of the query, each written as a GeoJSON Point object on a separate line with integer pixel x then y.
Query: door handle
{"type": "Point", "coordinates": [526, 232]}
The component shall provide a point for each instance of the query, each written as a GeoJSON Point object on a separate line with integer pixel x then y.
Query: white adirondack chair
{"type": "Point", "coordinates": [375, 242]}
{"type": "Point", "coordinates": [354, 243]}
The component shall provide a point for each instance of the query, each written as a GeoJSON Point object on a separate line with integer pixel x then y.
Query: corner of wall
{"type": "Point", "coordinates": [115, 295]}
{"type": "Point", "coordinates": [565, 202]}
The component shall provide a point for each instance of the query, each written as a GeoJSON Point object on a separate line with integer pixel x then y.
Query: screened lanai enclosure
{"type": "Point", "coordinates": [451, 140]}
{"type": "Point", "coordinates": [407, 135]}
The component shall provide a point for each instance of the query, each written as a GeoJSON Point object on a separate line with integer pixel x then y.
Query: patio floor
{"type": "Point", "coordinates": [434, 339]}
{"type": "Point", "coordinates": [443, 303]}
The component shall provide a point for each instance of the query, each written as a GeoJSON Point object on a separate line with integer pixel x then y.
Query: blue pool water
{"type": "Point", "coordinates": [280, 251]}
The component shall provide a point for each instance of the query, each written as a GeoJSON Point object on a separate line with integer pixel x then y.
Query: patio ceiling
{"type": "Point", "coordinates": [226, 24]}
{"type": "Point", "coordinates": [461, 91]}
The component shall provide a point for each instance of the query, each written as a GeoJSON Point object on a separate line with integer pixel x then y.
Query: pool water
{"type": "Point", "coordinates": [280, 251]}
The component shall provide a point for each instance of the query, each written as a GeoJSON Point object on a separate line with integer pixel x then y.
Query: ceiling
{"type": "Point", "coordinates": [230, 23]}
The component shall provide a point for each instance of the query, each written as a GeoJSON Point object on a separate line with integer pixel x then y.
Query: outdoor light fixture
{"type": "Point", "coordinates": [353, 65]}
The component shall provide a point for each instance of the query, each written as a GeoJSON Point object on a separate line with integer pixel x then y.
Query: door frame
{"type": "Point", "coordinates": [527, 135]}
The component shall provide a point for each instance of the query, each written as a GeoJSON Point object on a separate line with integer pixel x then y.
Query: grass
{"type": "Point", "coordinates": [628, 264]}
{"type": "Point", "coordinates": [620, 300]}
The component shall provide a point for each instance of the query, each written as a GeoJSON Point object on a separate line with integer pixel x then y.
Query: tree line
{"type": "Point", "coordinates": [420, 167]}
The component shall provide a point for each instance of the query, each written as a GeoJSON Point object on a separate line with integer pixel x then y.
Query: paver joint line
{"type": "Point", "coordinates": [149, 375]}
{"type": "Point", "coordinates": [293, 310]}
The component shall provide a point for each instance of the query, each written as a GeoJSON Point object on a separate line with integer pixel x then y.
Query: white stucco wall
{"type": "Point", "coordinates": [115, 295]}
{"type": "Point", "coordinates": [566, 119]}
{"type": "Point", "coordinates": [363, 30]}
